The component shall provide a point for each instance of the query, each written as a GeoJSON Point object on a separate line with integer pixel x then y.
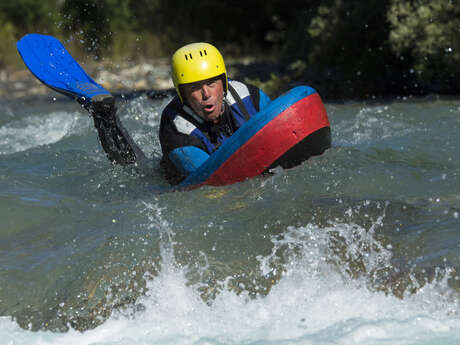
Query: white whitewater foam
{"type": "Point", "coordinates": [36, 131]}
{"type": "Point", "coordinates": [313, 303]}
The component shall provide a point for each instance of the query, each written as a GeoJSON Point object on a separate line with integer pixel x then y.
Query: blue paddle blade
{"type": "Point", "coordinates": [50, 62]}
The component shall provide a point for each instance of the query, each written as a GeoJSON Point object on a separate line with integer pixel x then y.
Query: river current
{"type": "Point", "coordinates": [358, 246]}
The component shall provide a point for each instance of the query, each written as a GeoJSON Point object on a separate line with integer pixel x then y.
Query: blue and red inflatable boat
{"type": "Point", "coordinates": [291, 129]}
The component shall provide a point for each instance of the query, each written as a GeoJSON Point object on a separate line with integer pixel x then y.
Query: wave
{"type": "Point", "coordinates": [34, 131]}
{"type": "Point", "coordinates": [325, 291]}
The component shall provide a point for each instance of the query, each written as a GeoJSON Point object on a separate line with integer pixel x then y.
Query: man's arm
{"type": "Point", "coordinates": [115, 140]}
{"type": "Point", "coordinates": [183, 153]}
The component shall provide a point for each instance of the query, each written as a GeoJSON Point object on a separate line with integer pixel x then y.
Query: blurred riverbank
{"type": "Point", "coordinates": [345, 50]}
{"type": "Point", "coordinates": [273, 77]}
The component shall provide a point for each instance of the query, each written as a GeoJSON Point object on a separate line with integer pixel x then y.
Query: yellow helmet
{"type": "Point", "coordinates": [195, 62]}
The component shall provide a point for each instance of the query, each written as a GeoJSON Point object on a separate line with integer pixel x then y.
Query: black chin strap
{"type": "Point", "coordinates": [239, 102]}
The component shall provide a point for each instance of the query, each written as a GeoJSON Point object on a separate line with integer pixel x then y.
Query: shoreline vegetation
{"type": "Point", "coordinates": [347, 50]}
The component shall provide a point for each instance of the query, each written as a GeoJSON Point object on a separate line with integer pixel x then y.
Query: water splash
{"type": "Point", "coordinates": [35, 131]}
{"type": "Point", "coordinates": [324, 293]}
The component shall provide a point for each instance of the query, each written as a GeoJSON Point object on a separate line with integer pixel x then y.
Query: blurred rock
{"type": "Point", "coordinates": [128, 78]}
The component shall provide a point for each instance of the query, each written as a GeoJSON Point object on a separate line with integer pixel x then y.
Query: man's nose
{"type": "Point", "coordinates": [205, 91]}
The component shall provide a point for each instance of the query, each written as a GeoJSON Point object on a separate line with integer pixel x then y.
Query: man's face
{"type": "Point", "coordinates": [205, 98]}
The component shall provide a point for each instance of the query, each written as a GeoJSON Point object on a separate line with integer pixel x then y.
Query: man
{"type": "Point", "coordinates": [207, 109]}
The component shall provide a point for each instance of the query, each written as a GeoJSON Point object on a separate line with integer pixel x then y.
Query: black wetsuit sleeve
{"type": "Point", "coordinates": [115, 140]}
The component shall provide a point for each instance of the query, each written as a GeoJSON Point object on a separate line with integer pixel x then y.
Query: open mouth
{"type": "Point", "coordinates": [209, 108]}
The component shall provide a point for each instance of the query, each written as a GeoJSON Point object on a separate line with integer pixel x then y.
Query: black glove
{"type": "Point", "coordinates": [102, 107]}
